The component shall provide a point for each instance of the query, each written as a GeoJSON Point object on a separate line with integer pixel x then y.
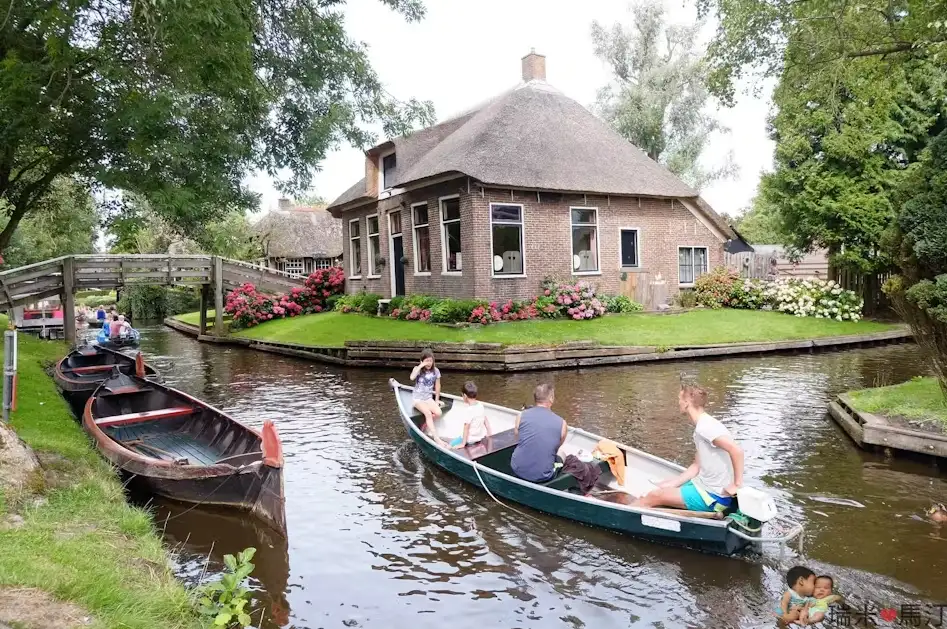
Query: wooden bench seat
{"type": "Point", "coordinates": [490, 445]}
{"type": "Point", "coordinates": [90, 369]}
{"type": "Point", "coordinates": [144, 416]}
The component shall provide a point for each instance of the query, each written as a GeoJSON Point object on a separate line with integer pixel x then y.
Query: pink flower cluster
{"type": "Point", "coordinates": [410, 313]}
{"type": "Point", "coordinates": [249, 307]}
{"type": "Point", "coordinates": [509, 311]}
{"type": "Point", "coordinates": [577, 301]}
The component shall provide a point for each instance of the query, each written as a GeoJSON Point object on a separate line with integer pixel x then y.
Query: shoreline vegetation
{"type": "Point", "coordinates": [919, 400]}
{"type": "Point", "coordinates": [695, 327]}
{"type": "Point", "coordinates": [68, 538]}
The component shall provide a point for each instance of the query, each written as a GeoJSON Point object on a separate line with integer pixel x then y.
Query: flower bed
{"type": "Point", "coordinates": [249, 307]}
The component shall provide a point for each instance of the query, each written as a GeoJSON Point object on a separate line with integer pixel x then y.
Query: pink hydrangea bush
{"type": "Point", "coordinates": [249, 307]}
{"type": "Point", "coordinates": [576, 301]}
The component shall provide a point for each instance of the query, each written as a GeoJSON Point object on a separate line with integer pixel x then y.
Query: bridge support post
{"type": "Point", "coordinates": [69, 300]}
{"type": "Point", "coordinates": [218, 296]}
{"type": "Point", "coordinates": [205, 299]}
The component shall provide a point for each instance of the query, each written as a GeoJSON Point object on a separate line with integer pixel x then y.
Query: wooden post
{"type": "Point", "coordinates": [205, 293]}
{"type": "Point", "coordinates": [69, 300]}
{"type": "Point", "coordinates": [218, 296]}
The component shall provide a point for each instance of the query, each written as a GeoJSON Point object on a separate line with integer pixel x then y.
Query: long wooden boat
{"type": "Point", "coordinates": [608, 505]}
{"type": "Point", "coordinates": [185, 449]}
{"type": "Point", "coordinates": [82, 370]}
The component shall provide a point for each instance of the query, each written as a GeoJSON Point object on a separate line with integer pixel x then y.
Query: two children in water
{"type": "Point", "coordinates": [808, 598]}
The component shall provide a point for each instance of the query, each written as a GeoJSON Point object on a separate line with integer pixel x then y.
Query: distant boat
{"type": "Point", "coordinates": [131, 340]}
{"type": "Point", "coordinates": [185, 449]}
{"type": "Point", "coordinates": [82, 370]}
{"type": "Point", "coordinates": [608, 505]}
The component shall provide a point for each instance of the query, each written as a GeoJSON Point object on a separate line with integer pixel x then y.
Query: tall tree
{"type": "Point", "coordinates": [178, 100]}
{"type": "Point", "coordinates": [658, 97]}
{"type": "Point", "coordinates": [761, 223]}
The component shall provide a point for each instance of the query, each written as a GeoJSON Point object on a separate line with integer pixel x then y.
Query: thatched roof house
{"type": "Point", "coordinates": [300, 239]}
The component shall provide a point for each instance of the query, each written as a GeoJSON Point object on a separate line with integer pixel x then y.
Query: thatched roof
{"type": "Point", "coordinates": [300, 232]}
{"type": "Point", "coordinates": [532, 136]}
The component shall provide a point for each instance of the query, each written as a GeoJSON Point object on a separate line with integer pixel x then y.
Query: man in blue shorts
{"type": "Point", "coordinates": [712, 480]}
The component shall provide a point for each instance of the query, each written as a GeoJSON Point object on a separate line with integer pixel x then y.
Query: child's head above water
{"type": "Point", "coordinates": [824, 584]}
{"type": "Point", "coordinates": [470, 391]}
{"type": "Point", "coordinates": [801, 580]}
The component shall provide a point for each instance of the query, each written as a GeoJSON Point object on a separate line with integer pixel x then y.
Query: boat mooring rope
{"type": "Point", "coordinates": [490, 493]}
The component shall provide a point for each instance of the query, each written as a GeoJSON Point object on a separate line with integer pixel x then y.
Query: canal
{"type": "Point", "coordinates": [380, 538]}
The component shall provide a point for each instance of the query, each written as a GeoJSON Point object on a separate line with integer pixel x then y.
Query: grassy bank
{"type": "Point", "coordinates": [699, 327]}
{"type": "Point", "coordinates": [79, 540]}
{"type": "Point", "coordinates": [918, 399]}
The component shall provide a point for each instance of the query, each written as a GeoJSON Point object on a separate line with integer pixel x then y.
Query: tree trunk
{"type": "Point", "coordinates": [15, 217]}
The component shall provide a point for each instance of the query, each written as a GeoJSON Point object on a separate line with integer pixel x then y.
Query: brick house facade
{"type": "Point", "coordinates": [502, 240]}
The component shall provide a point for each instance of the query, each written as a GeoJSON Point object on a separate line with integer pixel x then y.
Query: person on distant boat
{"type": "Point", "coordinates": [100, 314]}
{"type": "Point", "coordinates": [712, 480]}
{"type": "Point", "coordinates": [541, 434]}
{"type": "Point", "coordinates": [427, 392]}
{"type": "Point", "coordinates": [115, 328]}
{"type": "Point", "coordinates": [124, 327]}
{"type": "Point", "coordinates": [474, 416]}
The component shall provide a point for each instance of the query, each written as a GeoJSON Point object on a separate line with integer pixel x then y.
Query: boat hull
{"type": "Point", "coordinates": [78, 389]}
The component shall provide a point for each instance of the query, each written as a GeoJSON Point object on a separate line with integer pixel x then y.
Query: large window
{"type": "Point", "coordinates": [324, 263]}
{"type": "Point", "coordinates": [584, 240]}
{"type": "Point", "coordinates": [450, 235]}
{"type": "Point", "coordinates": [692, 263]}
{"type": "Point", "coordinates": [374, 247]}
{"type": "Point", "coordinates": [388, 163]}
{"type": "Point", "coordinates": [294, 266]}
{"type": "Point", "coordinates": [422, 238]}
{"type": "Point", "coordinates": [628, 248]}
{"type": "Point", "coordinates": [506, 234]}
{"type": "Point", "coordinates": [355, 249]}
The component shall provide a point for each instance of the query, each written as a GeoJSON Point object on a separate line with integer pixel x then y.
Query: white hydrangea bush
{"type": "Point", "coordinates": [822, 299]}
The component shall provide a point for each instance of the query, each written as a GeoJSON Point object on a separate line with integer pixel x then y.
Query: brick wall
{"type": "Point", "coordinates": [663, 226]}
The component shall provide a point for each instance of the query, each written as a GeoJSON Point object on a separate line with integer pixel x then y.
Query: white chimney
{"type": "Point", "coordinates": [534, 67]}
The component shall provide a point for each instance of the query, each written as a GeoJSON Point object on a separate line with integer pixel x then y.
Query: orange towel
{"type": "Point", "coordinates": [615, 457]}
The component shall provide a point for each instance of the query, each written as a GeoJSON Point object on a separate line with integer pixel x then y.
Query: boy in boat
{"type": "Point", "coordinates": [474, 416]}
{"type": "Point", "coordinates": [792, 605]}
{"type": "Point", "coordinates": [427, 392]}
{"type": "Point", "coordinates": [712, 480]}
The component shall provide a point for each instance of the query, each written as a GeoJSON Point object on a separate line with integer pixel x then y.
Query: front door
{"type": "Point", "coordinates": [397, 253]}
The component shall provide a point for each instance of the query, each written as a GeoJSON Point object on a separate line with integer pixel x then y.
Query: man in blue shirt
{"type": "Point", "coordinates": [541, 434]}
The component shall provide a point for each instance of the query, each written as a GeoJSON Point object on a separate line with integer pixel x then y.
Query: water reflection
{"type": "Point", "coordinates": [378, 537]}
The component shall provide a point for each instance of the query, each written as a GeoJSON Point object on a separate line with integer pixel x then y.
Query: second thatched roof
{"type": "Point", "coordinates": [300, 232]}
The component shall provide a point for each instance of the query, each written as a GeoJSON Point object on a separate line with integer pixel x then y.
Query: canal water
{"type": "Point", "coordinates": [377, 537]}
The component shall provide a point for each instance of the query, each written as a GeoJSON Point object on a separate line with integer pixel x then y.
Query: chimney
{"type": "Point", "coordinates": [285, 204]}
{"type": "Point", "coordinates": [534, 67]}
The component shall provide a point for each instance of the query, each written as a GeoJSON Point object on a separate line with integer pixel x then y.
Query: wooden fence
{"type": "Point", "coordinates": [647, 289]}
{"type": "Point", "coordinates": [866, 286]}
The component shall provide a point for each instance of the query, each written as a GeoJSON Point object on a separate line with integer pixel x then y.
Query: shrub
{"type": "Point", "coordinates": [248, 307]}
{"type": "Point", "coordinates": [454, 310]}
{"type": "Point", "coordinates": [547, 307]}
{"type": "Point", "coordinates": [319, 287]}
{"type": "Point", "coordinates": [814, 298]}
{"type": "Point", "coordinates": [620, 304]}
{"type": "Point", "coordinates": [686, 299]}
{"type": "Point", "coordinates": [361, 302]}
{"type": "Point", "coordinates": [750, 294]}
{"type": "Point", "coordinates": [396, 302]}
{"type": "Point", "coordinates": [576, 301]}
{"type": "Point", "coordinates": [321, 291]}
{"type": "Point", "coordinates": [421, 302]}
{"type": "Point", "coordinates": [714, 289]}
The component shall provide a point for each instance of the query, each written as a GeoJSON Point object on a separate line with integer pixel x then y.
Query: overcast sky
{"type": "Point", "coordinates": [465, 51]}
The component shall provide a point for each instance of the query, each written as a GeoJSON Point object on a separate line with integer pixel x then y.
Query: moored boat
{"type": "Point", "coordinates": [607, 505]}
{"type": "Point", "coordinates": [82, 370]}
{"type": "Point", "coordinates": [187, 450]}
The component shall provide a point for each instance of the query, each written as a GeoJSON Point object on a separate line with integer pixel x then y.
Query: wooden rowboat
{"type": "Point", "coordinates": [185, 449]}
{"type": "Point", "coordinates": [608, 505]}
{"type": "Point", "coordinates": [82, 370]}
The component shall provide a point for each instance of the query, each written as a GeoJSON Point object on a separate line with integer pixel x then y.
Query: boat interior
{"type": "Point", "coordinates": [155, 422]}
{"type": "Point", "coordinates": [642, 472]}
{"type": "Point", "coordinates": [89, 363]}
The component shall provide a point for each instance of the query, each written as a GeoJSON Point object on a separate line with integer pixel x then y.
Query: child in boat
{"type": "Point", "coordinates": [476, 424]}
{"type": "Point", "coordinates": [427, 392]}
{"type": "Point", "coordinates": [820, 600]}
{"type": "Point", "coordinates": [792, 605]}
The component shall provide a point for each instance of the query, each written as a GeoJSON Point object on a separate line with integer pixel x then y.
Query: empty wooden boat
{"type": "Point", "coordinates": [608, 505]}
{"type": "Point", "coordinates": [82, 370]}
{"type": "Point", "coordinates": [185, 449]}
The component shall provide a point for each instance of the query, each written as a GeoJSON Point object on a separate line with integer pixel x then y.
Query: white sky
{"type": "Point", "coordinates": [464, 52]}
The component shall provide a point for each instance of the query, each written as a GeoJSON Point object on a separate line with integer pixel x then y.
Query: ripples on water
{"type": "Point", "coordinates": [379, 537]}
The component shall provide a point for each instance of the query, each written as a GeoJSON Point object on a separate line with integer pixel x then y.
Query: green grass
{"type": "Point", "coordinates": [96, 298]}
{"type": "Point", "coordinates": [699, 327]}
{"type": "Point", "coordinates": [919, 398]}
{"type": "Point", "coordinates": [86, 545]}
{"type": "Point", "coordinates": [194, 318]}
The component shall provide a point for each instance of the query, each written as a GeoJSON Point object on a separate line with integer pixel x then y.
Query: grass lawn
{"type": "Point", "coordinates": [194, 318]}
{"type": "Point", "coordinates": [919, 398]}
{"type": "Point", "coordinates": [84, 544]}
{"type": "Point", "coordinates": [698, 327]}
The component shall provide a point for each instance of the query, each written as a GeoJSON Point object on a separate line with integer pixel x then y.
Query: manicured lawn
{"type": "Point", "coordinates": [700, 327]}
{"type": "Point", "coordinates": [84, 544]}
{"type": "Point", "coordinates": [194, 318]}
{"type": "Point", "coordinates": [919, 398]}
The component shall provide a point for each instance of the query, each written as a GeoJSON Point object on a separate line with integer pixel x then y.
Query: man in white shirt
{"type": "Point", "coordinates": [712, 480]}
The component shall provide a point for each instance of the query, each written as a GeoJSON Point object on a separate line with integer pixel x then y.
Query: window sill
{"type": "Point", "coordinates": [686, 285]}
{"type": "Point", "coordinates": [508, 277]}
{"type": "Point", "coordinates": [586, 272]}
{"type": "Point", "coordinates": [373, 277]}
{"type": "Point", "coordinates": [422, 274]}
{"type": "Point", "coordinates": [355, 277]}
{"type": "Point", "coordinates": [632, 269]}
{"type": "Point", "coordinates": [452, 273]}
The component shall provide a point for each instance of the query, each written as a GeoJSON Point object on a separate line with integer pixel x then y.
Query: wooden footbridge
{"type": "Point", "coordinates": [66, 275]}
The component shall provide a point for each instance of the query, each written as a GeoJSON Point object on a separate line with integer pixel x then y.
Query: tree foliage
{"type": "Point", "coordinates": [176, 100]}
{"type": "Point", "coordinates": [64, 222]}
{"type": "Point", "coordinates": [761, 223]}
{"type": "Point", "coordinates": [658, 97]}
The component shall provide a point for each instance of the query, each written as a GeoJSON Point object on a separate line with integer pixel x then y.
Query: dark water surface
{"type": "Point", "coordinates": [380, 538]}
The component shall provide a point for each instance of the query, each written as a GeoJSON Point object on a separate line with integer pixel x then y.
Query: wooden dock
{"type": "Point", "coordinates": [874, 431]}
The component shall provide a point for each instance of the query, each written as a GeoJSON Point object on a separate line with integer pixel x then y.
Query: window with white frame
{"type": "Point", "coordinates": [422, 238]}
{"type": "Point", "coordinates": [506, 236]}
{"type": "Point", "coordinates": [450, 235]}
{"type": "Point", "coordinates": [355, 248]}
{"type": "Point", "coordinates": [692, 263]}
{"type": "Point", "coordinates": [374, 247]}
{"type": "Point", "coordinates": [324, 263]}
{"type": "Point", "coordinates": [388, 163]}
{"type": "Point", "coordinates": [628, 248]}
{"type": "Point", "coordinates": [584, 239]}
{"type": "Point", "coordinates": [294, 266]}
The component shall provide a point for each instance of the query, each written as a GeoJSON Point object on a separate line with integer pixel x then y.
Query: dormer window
{"type": "Point", "coordinates": [387, 169]}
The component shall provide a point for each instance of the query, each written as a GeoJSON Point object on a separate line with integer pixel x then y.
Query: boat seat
{"type": "Point", "coordinates": [144, 416]}
{"type": "Point", "coordinates": [90, 368]}
{"type": "Point", "coordinates": [565, 482]}
{"type": "Point", "coordinates": [497, 443]}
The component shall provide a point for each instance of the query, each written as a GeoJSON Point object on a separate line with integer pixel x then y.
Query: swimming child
{"type": "Point", "coordinates": [801, 582]}
{"type": "Point", "coordinates": [822, 597]}
{"type": "Point", "coordinates": [476, 424]}
{"type": "Point", "coordinates": [427, 392]}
